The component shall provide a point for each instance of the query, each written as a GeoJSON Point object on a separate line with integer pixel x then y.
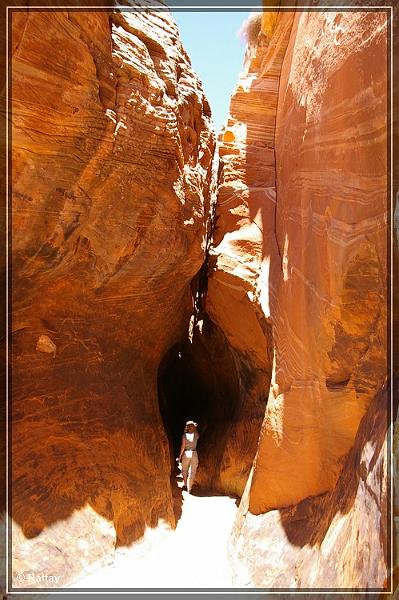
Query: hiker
{"type": "Point", "coordinates": [188, 454]}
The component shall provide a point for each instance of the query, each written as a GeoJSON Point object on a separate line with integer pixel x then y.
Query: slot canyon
{"type": "Point", "coordinates": [163, 271]}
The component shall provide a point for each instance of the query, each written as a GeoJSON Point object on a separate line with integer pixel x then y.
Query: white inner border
{"type": "Point", "coordinates": [7, 516]}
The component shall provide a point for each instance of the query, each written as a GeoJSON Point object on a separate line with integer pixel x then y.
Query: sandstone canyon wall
{"type": "Point", "coordinates": [116, 244]}
{"type": "Point", "coordinates": [111, 175]}
{"type": "Point", "coordinates": [300, 251]}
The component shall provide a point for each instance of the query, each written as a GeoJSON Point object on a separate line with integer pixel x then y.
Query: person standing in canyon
{"type": "Point", "coordinates": [188, 454]}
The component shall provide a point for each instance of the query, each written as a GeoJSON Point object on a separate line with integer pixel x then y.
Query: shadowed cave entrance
{"type": "Point", "coordinates": [199, 380]}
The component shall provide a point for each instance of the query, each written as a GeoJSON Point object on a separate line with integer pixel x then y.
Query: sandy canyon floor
{"type": "Point", "coordinates": [194, 555]}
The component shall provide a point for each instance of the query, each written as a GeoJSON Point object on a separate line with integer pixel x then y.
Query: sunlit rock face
{"type": "Point", "coordinates": [244, 239]}
{"type": "Point", "coordinates": [328, 306]}
{"type": "Point", "coordinates": [112, 152]}
{"type": "Point", "coordinates": [300, 250]}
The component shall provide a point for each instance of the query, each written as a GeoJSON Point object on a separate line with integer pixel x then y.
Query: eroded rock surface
{"type": "Point", "coordinates": [112, 152]}
{"type": "Point", "coordinates": [244, 240]}
{"type": "Point", "coordinates": [328, 305]}
{"type": "Point", "coordinates": [300, 251]}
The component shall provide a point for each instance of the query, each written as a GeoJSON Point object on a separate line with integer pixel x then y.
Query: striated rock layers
{"type": "Point", "coordinates": [112, 153]}
{"type": "Point", "coordinates": [299, 274]}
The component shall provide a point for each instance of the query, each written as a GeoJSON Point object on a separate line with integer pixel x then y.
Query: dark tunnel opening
{"type": "Point", "coordinates": [198, 380]}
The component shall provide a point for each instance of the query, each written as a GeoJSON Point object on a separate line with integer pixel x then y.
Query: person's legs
{"type": "Point", "coordinates": [185, 462]}
{"type": "Point", "coordinates": [192, 472]}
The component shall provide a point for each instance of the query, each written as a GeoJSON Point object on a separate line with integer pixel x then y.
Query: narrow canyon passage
{"type": "Point", "coordinates": [198, 380]}
{"type": "Point", "coordinates": [130, 213]}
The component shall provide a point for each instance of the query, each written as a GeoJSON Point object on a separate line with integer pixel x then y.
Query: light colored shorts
{"type": "Point", "coordinates": [189, 464]}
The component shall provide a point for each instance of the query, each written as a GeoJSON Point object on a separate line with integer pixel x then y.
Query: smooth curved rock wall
{"type": "Point", "coordinates": [300, 247]}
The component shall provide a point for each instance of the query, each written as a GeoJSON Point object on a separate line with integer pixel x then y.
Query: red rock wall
{"type": "Point", "coordinates": [300, 244]}
{"type": "Point", "coordinates": [328, 304]}
{"type": "Point", "coordinates": [111, 169]}
{"type": "Point", "coordinates": [243, 242]}
{"type": "Point", "coordinates": [112, 154]}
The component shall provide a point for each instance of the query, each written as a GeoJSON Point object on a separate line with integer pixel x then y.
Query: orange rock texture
{"type": "Point", "coordinates": [111, 172]}
{"type": "Point", "coordinates": [126, 321]}
{"type": "Point", "coordinates": [300, 251]}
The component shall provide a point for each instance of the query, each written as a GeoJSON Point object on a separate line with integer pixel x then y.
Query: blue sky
{"type": "Point", "coordinates": [216, 53]}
